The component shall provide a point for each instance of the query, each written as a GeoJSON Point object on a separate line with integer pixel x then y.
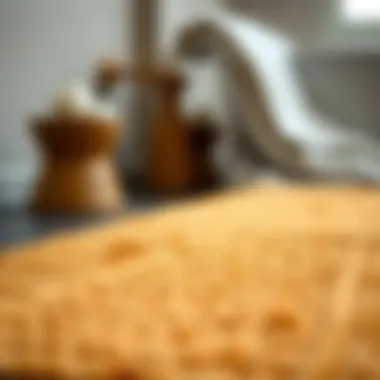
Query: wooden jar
{"type": "Point", "coordinates": [169, 165]}
{"type": "Point", "coordinates": [79, 173]}
{"type": "Point", "coordinates": [169, 168]}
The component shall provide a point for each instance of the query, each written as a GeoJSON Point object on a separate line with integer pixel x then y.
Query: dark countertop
{"type": "Point", "coordinates": [20, 225]}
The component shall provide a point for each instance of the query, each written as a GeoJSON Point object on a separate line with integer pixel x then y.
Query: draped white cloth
{"type": "Point", "coordinates": [272, 104]}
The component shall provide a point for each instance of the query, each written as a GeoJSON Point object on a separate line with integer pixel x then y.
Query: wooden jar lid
{"type": "Point", "coordinates": [110, 71]}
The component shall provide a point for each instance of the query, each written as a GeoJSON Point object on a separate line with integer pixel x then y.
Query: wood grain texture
{"type": "Point", "coordinates": [79, 173]}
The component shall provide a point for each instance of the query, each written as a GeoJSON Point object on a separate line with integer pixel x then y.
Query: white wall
{"type": "Point", "coordinates": [317, 25]}
{"type": "Point", "coordinates": [203, 91]}
{"type": "Point", "coordinates": [341, 72]}
{"type": "Point", "coordinates": [338, 62]}
{"type": "Point", "coordinates": [43, 44]}
{"type": "Point", "coordinates": [338, 34]}
{"type": "Point", "coordinates": [301, 20]}
{"type": "Point", "coordinates": [344, 87]}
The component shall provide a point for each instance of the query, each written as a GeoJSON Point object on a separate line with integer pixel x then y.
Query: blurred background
{"type": "Point", "coordinates": [290, 86]}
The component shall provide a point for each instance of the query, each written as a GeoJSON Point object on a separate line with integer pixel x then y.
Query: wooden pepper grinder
{"type": "Point", "coordinates": [169, 162]}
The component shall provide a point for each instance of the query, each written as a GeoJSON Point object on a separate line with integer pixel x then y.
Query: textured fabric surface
{"type": "Point", "coordinates": [263, 283]}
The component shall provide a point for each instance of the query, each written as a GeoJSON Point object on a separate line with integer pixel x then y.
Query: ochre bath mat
{"type": "Point", "coordinates": [254, 284]}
